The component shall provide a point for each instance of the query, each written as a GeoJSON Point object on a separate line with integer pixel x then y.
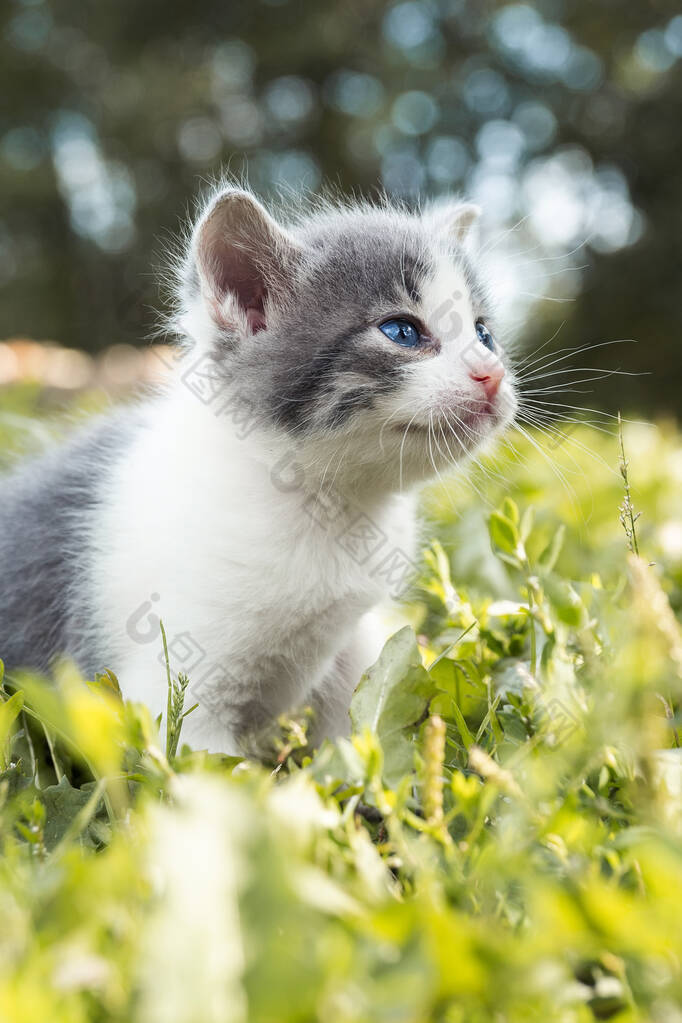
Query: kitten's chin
{"type": "Point", "coordinates": [466, 428]}
{"type": "Point", "coordinates": [441, 440]}
{"type": "Point", "coordinates": [407, 453]}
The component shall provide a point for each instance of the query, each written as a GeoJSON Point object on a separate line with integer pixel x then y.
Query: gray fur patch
{"type": "Point", "coordinates": [47, 510]}
{"type": "Point", "coordinates": [356, 264]}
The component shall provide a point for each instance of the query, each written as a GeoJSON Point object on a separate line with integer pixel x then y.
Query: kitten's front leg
{"type": "Point", "coordinates": [238, 710]}
{"type": "Point", "coordinates": [330, 700]}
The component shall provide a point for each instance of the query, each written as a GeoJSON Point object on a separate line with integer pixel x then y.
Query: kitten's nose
{"type": "Point", "coordinates": [489, 377]}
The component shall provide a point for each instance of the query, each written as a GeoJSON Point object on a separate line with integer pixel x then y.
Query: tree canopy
{"type": "Point", "coordinates": [560, 117]}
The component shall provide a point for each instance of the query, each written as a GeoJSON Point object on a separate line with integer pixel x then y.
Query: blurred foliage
{"type": "Point", "coordinates": [499, 841]}
{"type": "Point", "coordinates": [561, 117]}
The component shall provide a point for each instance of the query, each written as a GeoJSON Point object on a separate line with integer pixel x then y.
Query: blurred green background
{"type": "Point", "coordinates": [560, 117]}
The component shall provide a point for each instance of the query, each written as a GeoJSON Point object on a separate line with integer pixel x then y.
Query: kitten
{"type": "Point", "coordinates": [262, 504]}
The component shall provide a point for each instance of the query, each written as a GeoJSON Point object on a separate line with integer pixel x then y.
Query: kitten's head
{"type": "Point", "coordinates": [362, 332]}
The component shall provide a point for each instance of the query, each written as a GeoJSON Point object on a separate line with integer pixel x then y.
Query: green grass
{"type": "Point", "coordinates": [503, 844]}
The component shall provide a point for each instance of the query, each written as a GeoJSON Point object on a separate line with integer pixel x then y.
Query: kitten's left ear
{"type": "Point", "coordinates": [244, 259]}
{"type": "Point", "coordinates": [454, 219]}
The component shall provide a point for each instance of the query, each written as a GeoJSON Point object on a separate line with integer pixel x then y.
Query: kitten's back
{"type": "Point", "coordinates": [46, 510]}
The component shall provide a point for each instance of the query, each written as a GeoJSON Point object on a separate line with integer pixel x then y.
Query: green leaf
{"type": "Point", "coordinates": [9, 712]}
{"type": "Point", "coordinates": [548, 559]}
{"type": "Point", "coordinates": [504, 534]}
{"type": "Point", "coordinates": [62, 804]}
{"type": "Point", "coordinates": [462, 684]}
{"type": "Point", "coordinates": [567, 604]}
{"type": "Point", "coordinates": [14, 780]}
{"type": "Point", "coordinates": [462, 727]}
{"type": "Point", "coordinates": [527, 523]}
{"type": "Point", "coordinates": [108, 681]}
{"type": "Point", "coordinates": [390, 699]}
{"type": "Point", "coordinates": [510, 510]}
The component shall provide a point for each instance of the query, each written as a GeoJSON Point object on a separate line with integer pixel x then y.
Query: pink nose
{"type": "Point", "coordinates": [489, 377]}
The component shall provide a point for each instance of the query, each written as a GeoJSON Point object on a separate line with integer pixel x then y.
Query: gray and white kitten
{"type": "Point", "coordinates": [262, 504]}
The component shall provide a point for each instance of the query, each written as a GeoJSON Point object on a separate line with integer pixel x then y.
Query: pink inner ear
{"type": "Point", "coordinates": [255, 317]}
{"type": "Point", "coordinates": [230, 268]}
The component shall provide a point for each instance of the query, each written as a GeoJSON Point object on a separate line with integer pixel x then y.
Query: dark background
{"type": "Point", "coordinates": [561, 117]}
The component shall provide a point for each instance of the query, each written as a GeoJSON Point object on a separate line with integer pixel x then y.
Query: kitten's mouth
{"type": "Point", "coordinates": [486, 413]}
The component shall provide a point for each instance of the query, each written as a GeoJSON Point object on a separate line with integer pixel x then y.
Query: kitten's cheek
{"type": "Point", "coordinates": [506, 403]}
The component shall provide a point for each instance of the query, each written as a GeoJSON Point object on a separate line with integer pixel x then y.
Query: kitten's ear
{"type": "Point", "coordinates": [462, 219]}
{"type": "Point", "coordinates": [244, 259]}
{"type": "Point", "coordinates": [455, 219]}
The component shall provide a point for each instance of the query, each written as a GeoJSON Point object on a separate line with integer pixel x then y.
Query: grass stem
{"type": "Point", "coordinates": [627, 511]}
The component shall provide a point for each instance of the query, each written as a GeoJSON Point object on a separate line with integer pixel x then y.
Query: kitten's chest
{"type": "Point", "coordinates": [261, 578]}
{"type": "Point", "coordinates": [279, 607]}
{"type": "Point", "coordinates": [312, 554]}
{"type": "Point", "coordinates": [292, 581]}
{"type": "Point", "coordinates": [259, 585]}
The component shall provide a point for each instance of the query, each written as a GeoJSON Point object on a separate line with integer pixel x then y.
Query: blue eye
{"type": "Point", "coordinates": [402, 332]}
{"type": "Point", "coordinates": [484, 336]}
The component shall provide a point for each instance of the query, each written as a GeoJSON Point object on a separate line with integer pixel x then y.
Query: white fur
{"type": "Point", "coordinates": [239, 567]}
